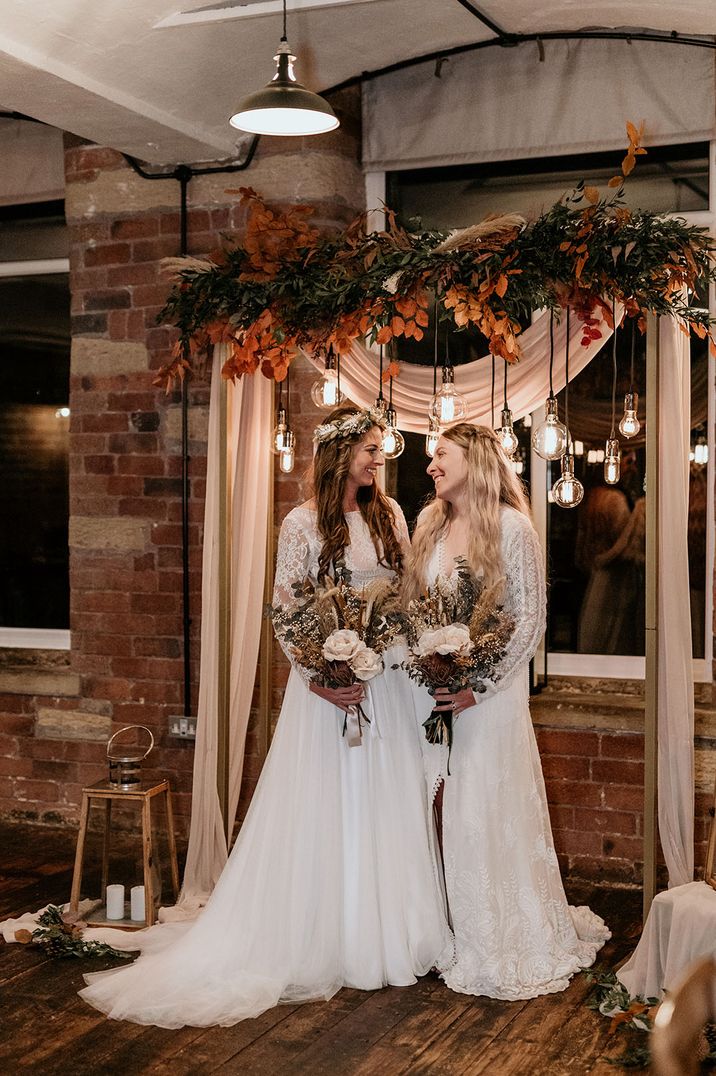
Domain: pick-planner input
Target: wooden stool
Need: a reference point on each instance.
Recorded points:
(143, 794)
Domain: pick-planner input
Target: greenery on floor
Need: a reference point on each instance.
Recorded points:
(633, 1019)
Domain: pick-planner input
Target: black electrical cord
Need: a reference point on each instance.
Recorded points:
(504, 391)
(566, 387)
(435, 353)
(380, 378)
(492, 393)
(614, 369)
(551, 352)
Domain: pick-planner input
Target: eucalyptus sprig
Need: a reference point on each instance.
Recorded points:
(60, 934)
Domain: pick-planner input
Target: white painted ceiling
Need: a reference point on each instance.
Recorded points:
(159, 78)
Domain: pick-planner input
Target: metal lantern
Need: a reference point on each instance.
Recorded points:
(125, 759)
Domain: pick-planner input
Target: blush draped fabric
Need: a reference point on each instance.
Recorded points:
(528, 379)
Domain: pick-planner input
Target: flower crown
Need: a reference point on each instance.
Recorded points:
(349, 425)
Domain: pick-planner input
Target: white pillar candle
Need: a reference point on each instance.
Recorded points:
(115, 902)
(137, 908)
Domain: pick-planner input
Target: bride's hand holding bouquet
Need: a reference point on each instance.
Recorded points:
(337, 634)
(457, 634)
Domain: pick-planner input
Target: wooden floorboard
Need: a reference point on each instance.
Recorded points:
(421, 1030)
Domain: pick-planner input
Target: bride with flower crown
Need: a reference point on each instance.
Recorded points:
(331, 881)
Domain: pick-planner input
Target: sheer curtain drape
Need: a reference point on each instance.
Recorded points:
(528, 380)
(248, 432)
(676, 681)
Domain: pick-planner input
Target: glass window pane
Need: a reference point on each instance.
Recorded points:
(33, 233)
(670, 179)
(34, 437)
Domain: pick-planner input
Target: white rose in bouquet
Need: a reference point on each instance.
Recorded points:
(342, 645)
(366, 664)
(428, 643)
(455, 640)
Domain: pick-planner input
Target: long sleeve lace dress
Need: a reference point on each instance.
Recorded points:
(331, 881)
(515, 935)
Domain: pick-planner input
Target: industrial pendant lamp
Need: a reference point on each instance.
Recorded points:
(284, 107)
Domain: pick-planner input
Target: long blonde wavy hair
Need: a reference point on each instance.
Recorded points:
(491, 482)
(327, 482)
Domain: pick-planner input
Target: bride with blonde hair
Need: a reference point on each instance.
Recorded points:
(515, 935)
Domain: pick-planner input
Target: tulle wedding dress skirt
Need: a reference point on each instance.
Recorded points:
(331, 881)
(515, 935)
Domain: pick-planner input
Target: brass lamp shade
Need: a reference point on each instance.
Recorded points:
(284, 107)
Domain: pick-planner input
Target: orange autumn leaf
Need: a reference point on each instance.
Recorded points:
(406, 307)
(397, 325)
(635, 135)
(501, 285)
(391, 370)
(591, 194)
(615, 181)
(637, 1008)
(712, 347)
(384, 335)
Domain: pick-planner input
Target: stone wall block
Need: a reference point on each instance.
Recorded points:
(72, 725)
(107, 358)
(96, 533)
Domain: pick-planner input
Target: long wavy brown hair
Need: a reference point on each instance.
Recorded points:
(491, 482)
(327, 481)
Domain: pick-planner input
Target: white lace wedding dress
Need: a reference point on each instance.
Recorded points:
(331, 881)
(515, 935)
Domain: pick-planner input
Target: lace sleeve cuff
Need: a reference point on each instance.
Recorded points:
(525, 600)
(292, 563)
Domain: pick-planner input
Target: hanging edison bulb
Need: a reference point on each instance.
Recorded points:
(507, 435)
(279, 431)
(567, 491)
(630, 424)
(518, 461)
(287, 457)
(325, 392)
(393, 440)
(549, 438)
(447, 405)
(612, 461)
(432, 437)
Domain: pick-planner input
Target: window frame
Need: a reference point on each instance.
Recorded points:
(35, 638)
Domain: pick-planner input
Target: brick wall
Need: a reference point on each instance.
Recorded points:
(591, 742)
